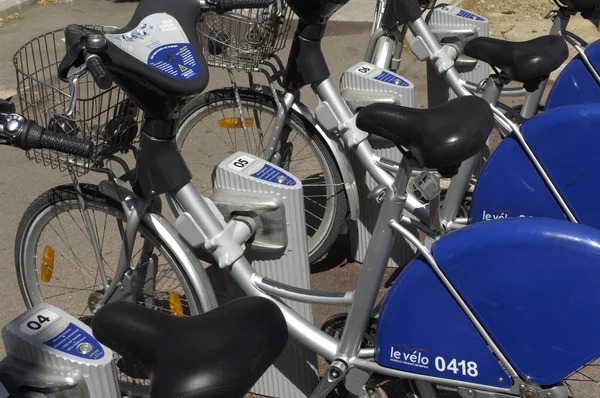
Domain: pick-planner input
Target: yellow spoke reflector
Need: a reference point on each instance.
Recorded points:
(235, 123)
(47, 264)
(175, 304)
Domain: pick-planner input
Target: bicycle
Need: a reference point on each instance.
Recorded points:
(471, 310)
(70, 237)
(331, 124)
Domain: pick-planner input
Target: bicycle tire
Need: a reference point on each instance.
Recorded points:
(203, 106)
(50, 206)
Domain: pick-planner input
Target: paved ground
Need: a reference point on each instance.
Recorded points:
(22, 180)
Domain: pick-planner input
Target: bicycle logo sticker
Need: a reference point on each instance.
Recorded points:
(419, 358)
(176, 60)
(497, 214)
(405, 355)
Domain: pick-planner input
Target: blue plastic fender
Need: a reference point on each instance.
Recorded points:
(532, 283)
(566, 142)
(575, 84)
(422, 330)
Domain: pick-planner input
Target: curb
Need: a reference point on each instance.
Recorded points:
(8, 7)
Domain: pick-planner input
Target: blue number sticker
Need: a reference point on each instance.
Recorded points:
(176, 60)
(387, 77)
(468, 15)
(271, 174)
(76, 341)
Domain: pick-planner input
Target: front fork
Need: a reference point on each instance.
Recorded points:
(130, 280)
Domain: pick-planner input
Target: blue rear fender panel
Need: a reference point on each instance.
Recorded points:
(534, 285)
(421, 329)
(575, 84)
(567, 143)
(509, 186)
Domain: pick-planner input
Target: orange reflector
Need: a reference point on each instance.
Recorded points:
(175, 304)
(235, 123)
(47, 264)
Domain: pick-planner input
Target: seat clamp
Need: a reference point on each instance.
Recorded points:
(444, 58)
(353, 136)
(228, 246)
(441, 58)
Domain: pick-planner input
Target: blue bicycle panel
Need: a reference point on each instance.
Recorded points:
(533, 283)
(566, 142)
(509, 186)
(422, 330)
(575, 84)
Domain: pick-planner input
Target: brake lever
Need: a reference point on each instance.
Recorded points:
(73, 77)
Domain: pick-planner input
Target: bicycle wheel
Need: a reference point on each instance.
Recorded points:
(584, 382)
(206, 138)
(53, 226)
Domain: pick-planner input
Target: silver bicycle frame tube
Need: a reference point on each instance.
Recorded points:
(383, 52)
(374, 266)
(420, 28)
(513, 92)
(380, 48)
(364, 151)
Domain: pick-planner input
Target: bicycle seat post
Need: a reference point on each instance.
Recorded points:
(402, 177)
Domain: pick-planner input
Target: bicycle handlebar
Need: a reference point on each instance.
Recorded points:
(222, 6)
(26, 134)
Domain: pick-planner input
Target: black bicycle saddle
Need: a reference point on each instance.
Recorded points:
(528, 61)
(581, 5)
(219, 354)
(438, 138)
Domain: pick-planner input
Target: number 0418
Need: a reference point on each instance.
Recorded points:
(463, 367)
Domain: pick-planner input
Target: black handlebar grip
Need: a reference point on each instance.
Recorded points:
(229, 5)
(35, 136)
(98, 71)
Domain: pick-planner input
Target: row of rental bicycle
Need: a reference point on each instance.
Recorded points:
(185, 272)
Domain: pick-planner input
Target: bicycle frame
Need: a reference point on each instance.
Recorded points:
(345, 353)
(491, 91)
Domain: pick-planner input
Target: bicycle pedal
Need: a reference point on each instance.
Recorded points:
(426, 186)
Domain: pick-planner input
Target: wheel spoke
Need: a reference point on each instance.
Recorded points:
(303, 153)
